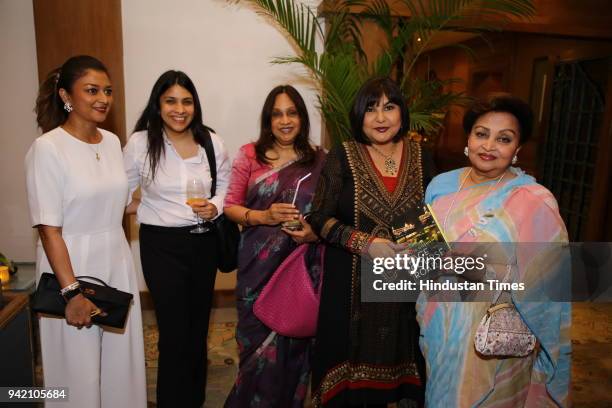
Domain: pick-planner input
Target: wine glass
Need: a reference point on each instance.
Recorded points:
(196, 193)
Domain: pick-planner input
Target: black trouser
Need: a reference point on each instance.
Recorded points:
(180, 268)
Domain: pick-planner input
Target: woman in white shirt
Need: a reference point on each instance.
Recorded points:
(77, 191)
(162, 156)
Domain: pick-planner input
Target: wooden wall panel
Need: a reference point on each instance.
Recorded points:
(65, 28)
(576, 18)
(514, 55)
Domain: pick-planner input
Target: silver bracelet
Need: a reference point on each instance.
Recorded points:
(72, 286)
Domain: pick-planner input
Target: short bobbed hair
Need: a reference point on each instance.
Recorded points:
(368, 96)
(502, 104)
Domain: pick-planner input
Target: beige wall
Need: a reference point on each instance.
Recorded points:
(19, 84)
(226, 50)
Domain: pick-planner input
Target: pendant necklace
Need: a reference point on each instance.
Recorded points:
(390, 163)
(96, 150)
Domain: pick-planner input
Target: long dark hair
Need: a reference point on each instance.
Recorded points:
(304, 150)
(369, 94)
(152, 122)
(49, 107)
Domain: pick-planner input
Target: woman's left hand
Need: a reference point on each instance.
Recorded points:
(205, 209)
(306, 234)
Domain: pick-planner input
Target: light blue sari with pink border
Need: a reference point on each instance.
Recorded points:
(519, 211)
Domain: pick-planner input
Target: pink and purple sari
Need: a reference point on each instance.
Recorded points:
(274, 369)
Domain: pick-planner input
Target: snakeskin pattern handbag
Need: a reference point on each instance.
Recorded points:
(502, 331)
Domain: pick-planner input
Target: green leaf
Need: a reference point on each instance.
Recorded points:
(339, 71)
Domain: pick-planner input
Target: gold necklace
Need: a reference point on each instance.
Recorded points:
(96, 149)
(459, 189)
(390, 163)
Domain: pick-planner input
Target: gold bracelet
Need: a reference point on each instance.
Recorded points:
(246, 218)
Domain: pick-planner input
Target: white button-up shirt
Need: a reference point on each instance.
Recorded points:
(164, 199)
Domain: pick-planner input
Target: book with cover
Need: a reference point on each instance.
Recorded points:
(424, 230)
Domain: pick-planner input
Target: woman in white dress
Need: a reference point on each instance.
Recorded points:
(77, 191)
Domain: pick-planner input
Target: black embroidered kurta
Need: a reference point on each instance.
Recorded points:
(365, 353)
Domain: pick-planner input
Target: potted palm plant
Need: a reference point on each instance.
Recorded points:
(339, 70)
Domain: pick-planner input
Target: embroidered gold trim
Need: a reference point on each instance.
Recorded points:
(359, 372)
(406, 165)
(358, 241)
(355, 266)
(372, 198)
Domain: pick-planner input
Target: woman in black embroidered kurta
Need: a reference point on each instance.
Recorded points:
(367, 354)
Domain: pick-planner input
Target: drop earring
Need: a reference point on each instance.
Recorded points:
(465, 151)
(514, 159)
(67, 107)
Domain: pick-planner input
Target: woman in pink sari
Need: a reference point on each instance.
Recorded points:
(274, 369)
(492, 202)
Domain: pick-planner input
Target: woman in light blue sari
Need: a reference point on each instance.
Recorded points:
(492, 202)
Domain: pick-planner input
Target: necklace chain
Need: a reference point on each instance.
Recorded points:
(390, 163)
(450, 208)
(95, 149)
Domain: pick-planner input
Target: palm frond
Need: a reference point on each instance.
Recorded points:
(343, 29)
(379, 12)
(297, 20)
(475, 15)
(341, 69)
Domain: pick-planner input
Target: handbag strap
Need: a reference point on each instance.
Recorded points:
(495, 308)
(100, 281)
(498, 293)
(212, 163)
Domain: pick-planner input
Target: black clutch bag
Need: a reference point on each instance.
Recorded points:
(113, 303)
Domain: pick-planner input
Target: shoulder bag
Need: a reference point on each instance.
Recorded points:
(226, 231)
(289, 303)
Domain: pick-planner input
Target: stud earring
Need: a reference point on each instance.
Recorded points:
(514, 159)
(465, 151)
(68, 107)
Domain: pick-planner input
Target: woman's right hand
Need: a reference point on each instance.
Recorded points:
(79, 310)
(281, 212)
(381, 248)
